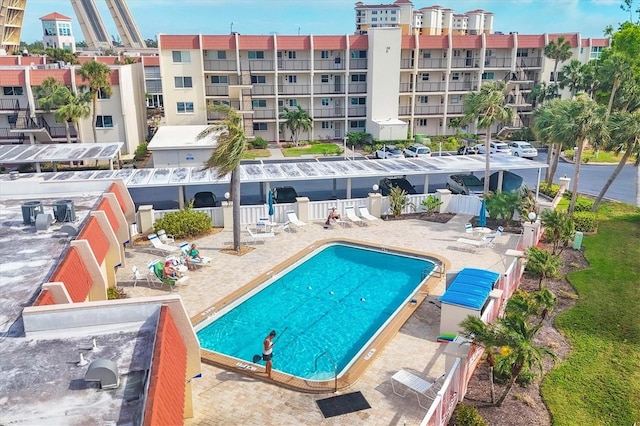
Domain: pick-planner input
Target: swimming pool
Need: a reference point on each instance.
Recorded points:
(326, 308)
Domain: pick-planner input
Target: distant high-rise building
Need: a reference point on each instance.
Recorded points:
(93, 28)
(11, 17)
(57, 33)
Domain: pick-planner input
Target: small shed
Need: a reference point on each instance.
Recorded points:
(467, 295)
(179, 146)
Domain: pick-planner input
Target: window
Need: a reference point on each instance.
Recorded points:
(183, 82)
(258, 79)
(219, 79)
(393, 12)
(220, 54)
(325, 101)
(456, 53)
(13, 91)
(104, 121)
(374, 12)
(357, 124)
(185, 107)
(425, 76)
(455, 76)
(358, 77)
(455, 99)
(324, 54)
(324, 78)
(293, 102)
(259, 126)
(358, 101)
(256, 54)
(423, 99)
(522, 53)
(326, 125)
(374, 19)
(358, 54)
(488, 76)
(181, 56)
(259, 103)
(64, 29)
(426, 54)
(489, 52)
(421, 122)
(293, 78)
(393, 18)
(596, 51)
(103, 95)
(292, 54)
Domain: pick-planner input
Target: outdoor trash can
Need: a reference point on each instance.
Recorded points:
(577, 241)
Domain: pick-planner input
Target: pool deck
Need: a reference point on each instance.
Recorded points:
(228, 397)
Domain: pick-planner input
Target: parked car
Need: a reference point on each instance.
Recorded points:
(511, 182)
(465, 184)
(495, 147)
(396, 182)
(523, 149)
(417, 150)
(204, 199)
(468, 150)
(389, 151)
(284, 194)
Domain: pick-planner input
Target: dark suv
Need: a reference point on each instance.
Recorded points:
(396, 182)
(284, 194)
(204, 199)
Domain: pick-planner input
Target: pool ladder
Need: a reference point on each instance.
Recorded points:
(438, 271)
(335, 368)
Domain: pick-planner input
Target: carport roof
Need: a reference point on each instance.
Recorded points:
(313, 169)
(43, 153)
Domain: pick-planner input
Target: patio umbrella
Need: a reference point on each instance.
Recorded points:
(482, 219)
(270, 201)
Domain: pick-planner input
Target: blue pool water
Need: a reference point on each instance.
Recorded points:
(333, 303)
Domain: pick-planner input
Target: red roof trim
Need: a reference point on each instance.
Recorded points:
(73, 273)
(94, 235)
(45, 298)
(55, 15)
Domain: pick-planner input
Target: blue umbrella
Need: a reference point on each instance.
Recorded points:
(482, 220)
(270, 201)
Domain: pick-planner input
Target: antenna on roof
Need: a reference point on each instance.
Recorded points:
(82, 361)
(95, 345)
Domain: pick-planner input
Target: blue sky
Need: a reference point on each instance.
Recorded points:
(287, 17)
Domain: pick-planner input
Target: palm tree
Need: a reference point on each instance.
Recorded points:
(572, 77)
(74, 110)
(625, 137)
(615, 69)
(53, 95)
(559, 227)
(482, 335)
(296, 120)
(97, 74)
(542, 92)
(543, 119)
(226, 156)
(559, 50)
(487, 106)
(543, 264)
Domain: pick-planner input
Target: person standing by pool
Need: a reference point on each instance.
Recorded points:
(267, 351)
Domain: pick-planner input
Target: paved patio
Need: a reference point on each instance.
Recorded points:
(230, 398)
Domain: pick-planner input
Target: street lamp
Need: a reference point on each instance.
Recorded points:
(532, 216)
(227, 196)
(375, 188)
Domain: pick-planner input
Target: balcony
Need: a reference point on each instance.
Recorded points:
(407, 64)
(329, 112)
(462, 86)
(357, 111)
(358, 64)
(260, 65)
(358, 88)
(492, 62)
(262, 89)
(329, 64)
(294, 65)
(152, 75)
(404, 110)
(219, 65)
(264, 114)
(455, 109)
(6, 134)
(426, 86)
(465, 63)
(428, 110)
(529, 62)
(217, 90)
(293, 89)
(328, 89)
(432, 63)
(9, 104)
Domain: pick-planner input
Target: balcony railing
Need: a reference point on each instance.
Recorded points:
(407, 64)
(293, 89)
(330, 112)
(9, 104)
(328, 88)
(426, 86)
(264, 114)
(358, 64)
(294, 64)
(260, 65)
(462, 86)
(61, 132)
(152, 75)
(455, 109)
(328, 64)
(358, 88)
(404, 110)
(357, 111)
(428, 109)
(530, 62)
(465, 63)
(5, 134)
(492, 62)
(432, 63)
(217, 90)
(262, 89)
(220, 65)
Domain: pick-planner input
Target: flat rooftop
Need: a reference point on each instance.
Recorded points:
(180, 137)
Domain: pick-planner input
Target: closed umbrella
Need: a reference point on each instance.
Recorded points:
(270, 201)
(482, 220)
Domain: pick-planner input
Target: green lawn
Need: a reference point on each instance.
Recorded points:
(599, 383)
(315, 149)
(251, 154)
(589, 156)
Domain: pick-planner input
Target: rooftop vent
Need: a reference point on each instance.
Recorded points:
(30, 211)
(43, 221)
(64, 211)
(104, 371)
(70, 229)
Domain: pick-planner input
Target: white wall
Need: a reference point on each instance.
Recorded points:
(383, 73)
(181, 157)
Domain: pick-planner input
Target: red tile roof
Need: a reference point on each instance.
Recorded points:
(151, 60)
(599, 42)
(358, 42)
(11, 60)
(294, 42)
(61, 76)
(165, 400)
(12, 77)
(55, 15)
(255, 42)
(219, 42)
(179, 41)
(498, 41)
(329, 42)
(433, 42)
(467, 42)
(113, 189)
(73, 273)
(528, 41)
(111, 217)
(45, 298)
(571, 38)
(93, 233)
(408, 42)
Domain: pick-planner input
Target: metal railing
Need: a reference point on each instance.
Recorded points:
(219, 65)
(294, 65)
(328, 88)
(294, 89)
(328, 64)
(9, 104)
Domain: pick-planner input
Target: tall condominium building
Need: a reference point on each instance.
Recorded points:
(433, 20)
(385, 83)
(11, 17)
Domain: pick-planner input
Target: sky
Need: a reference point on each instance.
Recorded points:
(291, 17)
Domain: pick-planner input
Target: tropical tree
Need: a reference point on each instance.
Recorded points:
(559, 227)
(97, 75)
(73, 111)
(544, 117)
(543, 264)
(63, 55)
(559, 50)
(68, 107)
(296, 120)
(615, 68)
(625, 138)
(226, 156)
(51, 94)
(572, 77)
(456, 124)
(488, 107)
(483, 335)
(542, 92)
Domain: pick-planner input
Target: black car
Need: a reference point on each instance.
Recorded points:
(511, 182)
(468, 147)
(387, 183)
(284, 194)
(204, 199)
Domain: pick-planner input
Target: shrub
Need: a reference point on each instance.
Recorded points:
(288, 145)
(551, 191)
(259, 143)
(116, 293)
(141, 151)
(431, 203)
(466, 415)
(398, 200)
(184, 223)
(583, 204)
(503, 205)
(585, 221)
(502, 373)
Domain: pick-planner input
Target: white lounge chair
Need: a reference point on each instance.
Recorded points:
(154, 274)
(293, 219)
(483, 243)
(350, 213)
(202, 261)
(417, 385)
(468, 228)
(364, 214)
(262, 236)
(161, 247)
(138, 275)
(166, 238)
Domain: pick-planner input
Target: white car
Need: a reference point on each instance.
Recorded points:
(389, 151)
(495, 147)
(417, 150)
(523, 149)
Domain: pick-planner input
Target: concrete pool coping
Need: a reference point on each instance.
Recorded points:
(366, 357)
